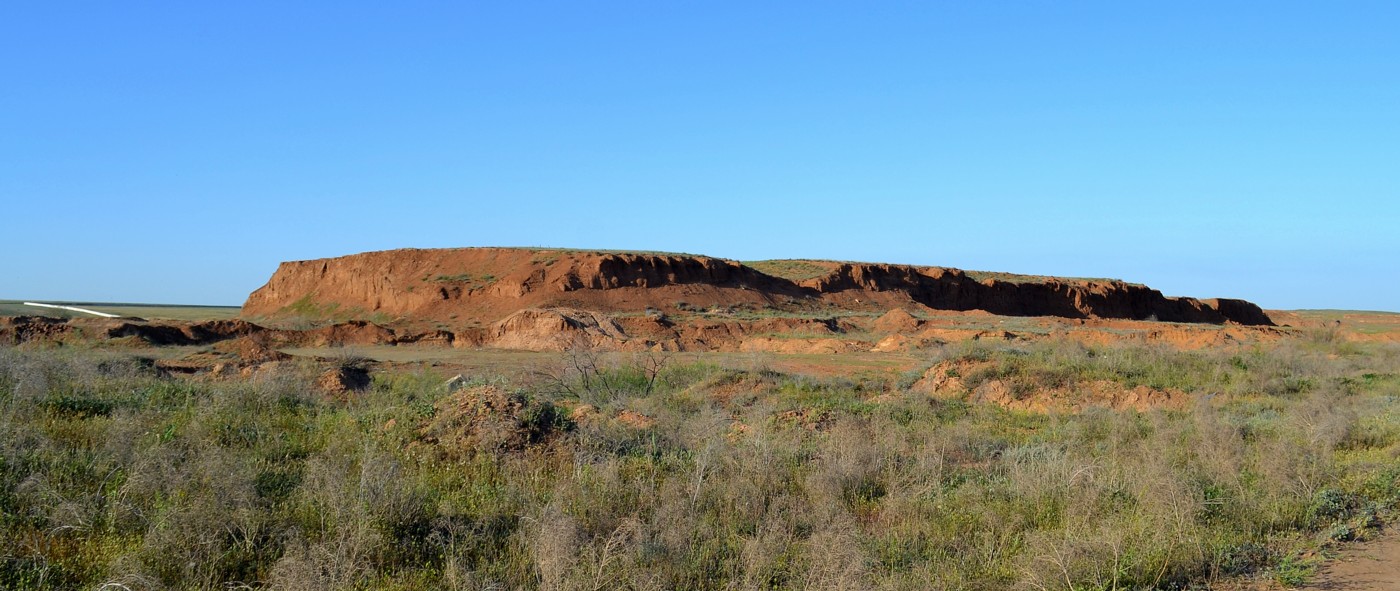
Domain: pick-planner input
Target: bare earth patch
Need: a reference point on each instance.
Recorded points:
(1372, 566)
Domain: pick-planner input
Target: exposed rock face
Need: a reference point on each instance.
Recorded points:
(18, 329)
(555, 330)
(488, 284)
(484, 286)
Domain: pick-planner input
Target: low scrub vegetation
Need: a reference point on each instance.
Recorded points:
(793, 270)
(642, 474)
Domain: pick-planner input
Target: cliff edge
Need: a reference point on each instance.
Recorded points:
(468, 287)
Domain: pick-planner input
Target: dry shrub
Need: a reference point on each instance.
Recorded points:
(1117, 515)
(336, 562)
(848, 473)
(892, 492)
(1216, 447)
(672, 528)
(834, 559)
(605, 563)
(1297, 458)
(491, 419)
(554, 547)
(1072, 559)
(346, 494)
(207, 539)
(766, 558)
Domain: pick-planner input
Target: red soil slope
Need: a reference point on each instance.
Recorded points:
(479, 286)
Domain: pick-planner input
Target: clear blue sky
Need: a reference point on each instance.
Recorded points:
(176, 152)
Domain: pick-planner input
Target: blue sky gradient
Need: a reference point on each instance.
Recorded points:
(175, 153)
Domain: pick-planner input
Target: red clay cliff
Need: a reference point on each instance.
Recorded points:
(481, 286)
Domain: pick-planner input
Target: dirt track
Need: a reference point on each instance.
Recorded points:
(1373, 566)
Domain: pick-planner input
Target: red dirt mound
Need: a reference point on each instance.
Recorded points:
(488, 417)
(341, 382)
(250, 350)
(897, 321)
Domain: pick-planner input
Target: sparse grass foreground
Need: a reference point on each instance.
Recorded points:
(645, 474)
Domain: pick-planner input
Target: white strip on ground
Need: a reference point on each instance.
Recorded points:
(75, 309)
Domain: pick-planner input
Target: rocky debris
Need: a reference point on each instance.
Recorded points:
(943, 379)
(435, 337)
(1099, 393)
(894, 342)
(249, 340)
(241, 343)
(172, 333)
(262, 370)
(810, 419)
(355, 332)
(183, 366)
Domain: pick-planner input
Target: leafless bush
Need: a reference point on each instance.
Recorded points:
(1219, 447)
(834, 558)
(604, 563)
(30, 375)
(336, 553)
(1072, 559)
(184, 543)
(850, 468)
(554, 547)
(765, 556)
(598, 377)
(1298, 457)
(330, 564)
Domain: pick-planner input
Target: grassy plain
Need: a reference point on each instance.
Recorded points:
(147, 311)
(1363, 322)
(579, 470)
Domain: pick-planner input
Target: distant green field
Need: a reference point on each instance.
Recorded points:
(147, 311)
(1361, 321)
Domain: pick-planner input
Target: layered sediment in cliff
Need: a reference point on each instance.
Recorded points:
(483, 286)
